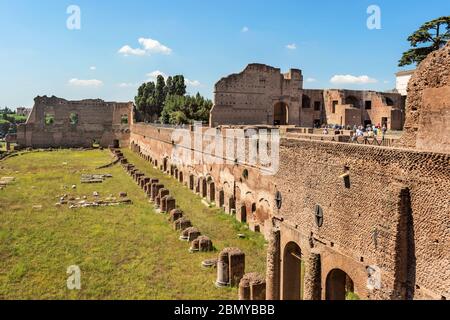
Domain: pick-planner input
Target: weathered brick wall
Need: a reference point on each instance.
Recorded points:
(310, 175)
(428, 105)
(393, 213)
(97, 121)
(250, 96)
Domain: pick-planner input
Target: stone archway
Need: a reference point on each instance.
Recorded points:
(280, 114)
(203, 187)
(212, 192)
(180, 177)
(339, 286)
(243, 214)
(293, 271)
(221, 199)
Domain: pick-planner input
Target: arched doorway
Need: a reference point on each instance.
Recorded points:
(180, 177)
(203, 188)
(293, 272)
(280, 114)
(221, 199)
(212, 192)
(243, 215)
(339, 286)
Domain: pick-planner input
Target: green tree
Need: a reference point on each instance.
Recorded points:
(433, 35)
(179, 87)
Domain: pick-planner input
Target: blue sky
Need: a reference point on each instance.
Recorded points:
(202, 39)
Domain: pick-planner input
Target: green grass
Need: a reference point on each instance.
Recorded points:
(126, 252)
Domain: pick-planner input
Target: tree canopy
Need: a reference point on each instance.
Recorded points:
(167, 101)
(433, 35)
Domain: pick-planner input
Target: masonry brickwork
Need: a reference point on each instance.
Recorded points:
(261, 94)
(56, 122)
(428, 112)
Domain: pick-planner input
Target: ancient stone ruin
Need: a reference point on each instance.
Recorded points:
(252, 287)
(230, 267)
(355, 219)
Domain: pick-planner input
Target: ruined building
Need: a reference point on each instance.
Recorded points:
(355, 219)
(56, 122)
(262, 95)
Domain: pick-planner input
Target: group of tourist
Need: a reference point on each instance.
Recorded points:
(370, 131)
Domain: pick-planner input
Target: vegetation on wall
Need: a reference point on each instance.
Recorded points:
(168, 102)
(432, 35)
(9, 121)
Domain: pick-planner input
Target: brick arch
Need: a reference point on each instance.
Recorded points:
(262, 210)
(338, 283)
(281, 113)
(293, 283)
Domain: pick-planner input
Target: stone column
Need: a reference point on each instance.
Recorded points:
(312, 289)
(273, 266)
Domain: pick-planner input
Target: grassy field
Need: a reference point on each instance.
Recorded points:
(125, 252)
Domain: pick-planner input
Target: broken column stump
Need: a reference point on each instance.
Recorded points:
(175, 214)
(201, 244)
(170, 204)
(252, 287)
(182, 224)
(159, 199)
(155, 190)
(230, 267)
(190, 234)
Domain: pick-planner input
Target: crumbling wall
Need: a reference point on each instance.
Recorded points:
(366, 221)
(427, 123)
(250, 96)
(51, 123)
(383, 208)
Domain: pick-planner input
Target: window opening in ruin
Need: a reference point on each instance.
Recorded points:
(333, 108)
(384, 121)
(73, 118)
(49, 119)
(124, 119)
(353, 101)
(317, 105)
(245, 174)
(389, 102)
(306, 102)
(368, 104)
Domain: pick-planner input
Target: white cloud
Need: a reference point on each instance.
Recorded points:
(291, 46)
(386, 81)
(148, 46)
(192, 83)
(93, 68)
(154, 74)
(349, 79)
(85, 83)
(245, 29)
(129, 51)
(311, 80)
(127, 85)
(154, 46)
